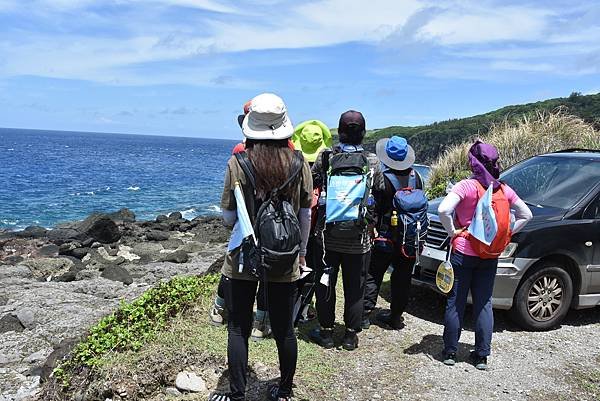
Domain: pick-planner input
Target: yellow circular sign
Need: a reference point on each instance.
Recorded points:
(444, 278)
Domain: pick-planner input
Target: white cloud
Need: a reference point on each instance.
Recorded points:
(487, 25)
(113, 47)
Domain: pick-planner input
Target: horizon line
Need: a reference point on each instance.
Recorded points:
(112, 133)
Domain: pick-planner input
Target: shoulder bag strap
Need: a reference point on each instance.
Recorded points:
(296, 167)
(393, 180)
(246, 165)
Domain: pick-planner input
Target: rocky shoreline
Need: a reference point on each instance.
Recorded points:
(54, 284)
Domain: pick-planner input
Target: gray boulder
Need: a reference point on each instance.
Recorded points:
(10, 323)
(175, 216)
(13, 259)
(42, 268)
(123, 216)
(161, 218)
(32, 232)
(117, 273)
(48, 250)
(62, 236)
(101, 228)
(155, 235)
(176, 257)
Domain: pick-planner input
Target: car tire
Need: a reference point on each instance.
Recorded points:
(543, 298)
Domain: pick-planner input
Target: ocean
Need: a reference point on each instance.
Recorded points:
(50, 177)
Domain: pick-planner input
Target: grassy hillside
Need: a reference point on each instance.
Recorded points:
(516, 140)
(430, 141)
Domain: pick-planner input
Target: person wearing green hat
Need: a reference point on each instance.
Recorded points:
(311, 137)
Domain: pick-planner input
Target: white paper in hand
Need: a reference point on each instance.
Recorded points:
(325, 279)
(304, 271)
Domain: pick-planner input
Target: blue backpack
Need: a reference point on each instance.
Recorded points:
(410, 205)
(348, 189)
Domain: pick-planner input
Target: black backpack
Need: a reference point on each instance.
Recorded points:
(349, 182)
(276, 226)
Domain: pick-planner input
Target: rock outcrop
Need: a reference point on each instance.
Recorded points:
(55, 284)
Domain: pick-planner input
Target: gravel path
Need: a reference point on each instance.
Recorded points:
(404, 365)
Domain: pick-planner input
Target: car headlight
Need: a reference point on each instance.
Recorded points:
(509, 250)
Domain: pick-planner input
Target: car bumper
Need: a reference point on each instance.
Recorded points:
(509, 274)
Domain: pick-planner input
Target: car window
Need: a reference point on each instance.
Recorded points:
(593, 210)
(558, 182)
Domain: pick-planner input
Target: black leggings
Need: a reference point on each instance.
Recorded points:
(400, 280)
(260, 295)
(354, 270)
(239, 298)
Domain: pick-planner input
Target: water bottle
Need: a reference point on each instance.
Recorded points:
(323, 198)
(394, 219)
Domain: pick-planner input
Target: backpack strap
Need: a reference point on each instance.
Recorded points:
(393, 180)
(325, 166)
(296, 167)
(246, 165)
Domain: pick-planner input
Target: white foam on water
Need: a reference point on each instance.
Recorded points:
(133, 188)
(107, 189)
(90, 193)
(10, 149)
(214, 208)
(189, 214)
(9, 222)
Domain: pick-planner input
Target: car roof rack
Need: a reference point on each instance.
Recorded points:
(574, 150)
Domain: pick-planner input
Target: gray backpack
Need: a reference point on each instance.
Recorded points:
(276, 226)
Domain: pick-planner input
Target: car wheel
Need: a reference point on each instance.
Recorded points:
(543, 298)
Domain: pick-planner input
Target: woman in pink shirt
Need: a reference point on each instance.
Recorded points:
(471, 272)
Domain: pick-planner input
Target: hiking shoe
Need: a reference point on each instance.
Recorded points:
(323, 337)
(396, 323)
(273, 394)
(261, 329)
(366, 323)
(220, 397)
(217, 315)
(350, 341)
(307, 316)
(480, 362)
(450, 359)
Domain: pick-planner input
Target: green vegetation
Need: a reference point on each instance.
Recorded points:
(141, 347)
(516, 141)
(430, 141)
(133, 324)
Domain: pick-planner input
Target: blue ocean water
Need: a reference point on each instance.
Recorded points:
(49, 177)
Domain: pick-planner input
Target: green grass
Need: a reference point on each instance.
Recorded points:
(145, 343)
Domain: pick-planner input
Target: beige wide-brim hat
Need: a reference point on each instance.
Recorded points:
(267, 119)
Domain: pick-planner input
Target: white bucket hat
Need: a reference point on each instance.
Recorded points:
(267, 119)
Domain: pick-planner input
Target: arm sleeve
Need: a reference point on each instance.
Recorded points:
(522, 215)
(227, 198)
(229, 217)
(446, 211)
(304, 219)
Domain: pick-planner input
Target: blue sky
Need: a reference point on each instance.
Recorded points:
(185, 67)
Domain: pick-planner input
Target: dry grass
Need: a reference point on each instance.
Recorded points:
(546, 132)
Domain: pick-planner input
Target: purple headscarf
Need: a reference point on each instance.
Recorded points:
(483, 159)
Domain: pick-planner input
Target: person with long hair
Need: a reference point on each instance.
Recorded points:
(267, 129)
(474, 266)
